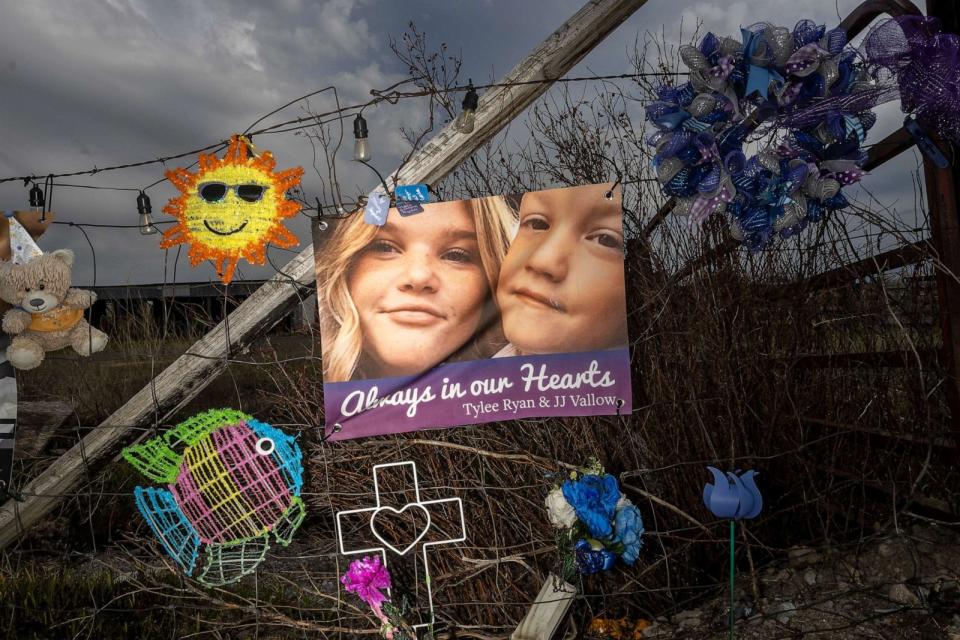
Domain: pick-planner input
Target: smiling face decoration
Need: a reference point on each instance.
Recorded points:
(231, 208)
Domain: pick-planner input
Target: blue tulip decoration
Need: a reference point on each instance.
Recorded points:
(734, 496)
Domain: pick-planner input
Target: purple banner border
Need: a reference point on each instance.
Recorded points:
(480, 391)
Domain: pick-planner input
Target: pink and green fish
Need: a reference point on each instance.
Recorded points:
(233, 484)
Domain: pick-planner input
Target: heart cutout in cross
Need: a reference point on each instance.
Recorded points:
(411, 521)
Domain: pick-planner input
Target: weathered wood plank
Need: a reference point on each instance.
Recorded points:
(889, 148)
(861, 17)
(547, 612)
(37, 422)
(943, 201)
(901, 256)
(188, 375)
(708, 257)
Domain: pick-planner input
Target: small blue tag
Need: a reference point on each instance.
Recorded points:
(378, 205)
(415, 192)
(408, 207)
(927, 146)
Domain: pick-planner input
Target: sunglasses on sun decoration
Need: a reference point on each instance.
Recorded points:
(217, 191)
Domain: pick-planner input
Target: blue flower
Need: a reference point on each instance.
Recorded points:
(594, 498)
(628, 529)
(590, 560)
(734, 495)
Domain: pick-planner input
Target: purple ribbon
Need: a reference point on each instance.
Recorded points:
(723, 69)
(704, 206)
(846, 172)
(926, 64)
(707, 146)
(806, 60)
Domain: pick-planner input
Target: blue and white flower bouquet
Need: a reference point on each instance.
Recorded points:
(596, 524)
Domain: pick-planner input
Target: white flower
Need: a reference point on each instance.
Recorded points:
(561, 514)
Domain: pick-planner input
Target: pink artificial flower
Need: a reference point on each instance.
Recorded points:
(368, 578)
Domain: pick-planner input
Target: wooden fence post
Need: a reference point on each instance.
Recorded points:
(548, 610)
(942, 199)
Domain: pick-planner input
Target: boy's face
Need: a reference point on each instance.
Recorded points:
(561, 284)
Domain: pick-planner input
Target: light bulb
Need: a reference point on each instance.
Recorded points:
(146, 225)
(464, 122)
(361, 150)
(361, 147)
(36, 198)
(146, 220)
(467, 118)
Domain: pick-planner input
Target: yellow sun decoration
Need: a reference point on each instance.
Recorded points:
(232, 207)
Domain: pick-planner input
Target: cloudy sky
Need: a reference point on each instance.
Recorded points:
(101, 82)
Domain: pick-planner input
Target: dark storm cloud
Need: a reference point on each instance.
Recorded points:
(90, 83)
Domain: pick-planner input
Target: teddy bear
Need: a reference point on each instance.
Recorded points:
(47, 314)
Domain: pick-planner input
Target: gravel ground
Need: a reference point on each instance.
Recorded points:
(904, 585)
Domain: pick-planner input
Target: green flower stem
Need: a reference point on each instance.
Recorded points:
(733, 524)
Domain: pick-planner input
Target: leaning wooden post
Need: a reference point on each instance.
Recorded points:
(190, 373)
(547, 612)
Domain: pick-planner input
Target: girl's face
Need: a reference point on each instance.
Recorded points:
(419, 288)
(561, 284)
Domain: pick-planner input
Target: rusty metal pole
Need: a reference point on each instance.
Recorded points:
(942, 200)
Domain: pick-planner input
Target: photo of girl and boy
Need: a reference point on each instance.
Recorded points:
(472, 279)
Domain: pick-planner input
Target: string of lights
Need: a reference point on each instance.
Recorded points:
(40, 200)
(390, 94)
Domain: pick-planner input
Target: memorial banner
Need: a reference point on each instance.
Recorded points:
(472, 311)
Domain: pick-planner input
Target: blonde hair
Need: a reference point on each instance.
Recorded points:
(341, 337)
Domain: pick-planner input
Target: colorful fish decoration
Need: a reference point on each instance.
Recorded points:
(233, 483)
